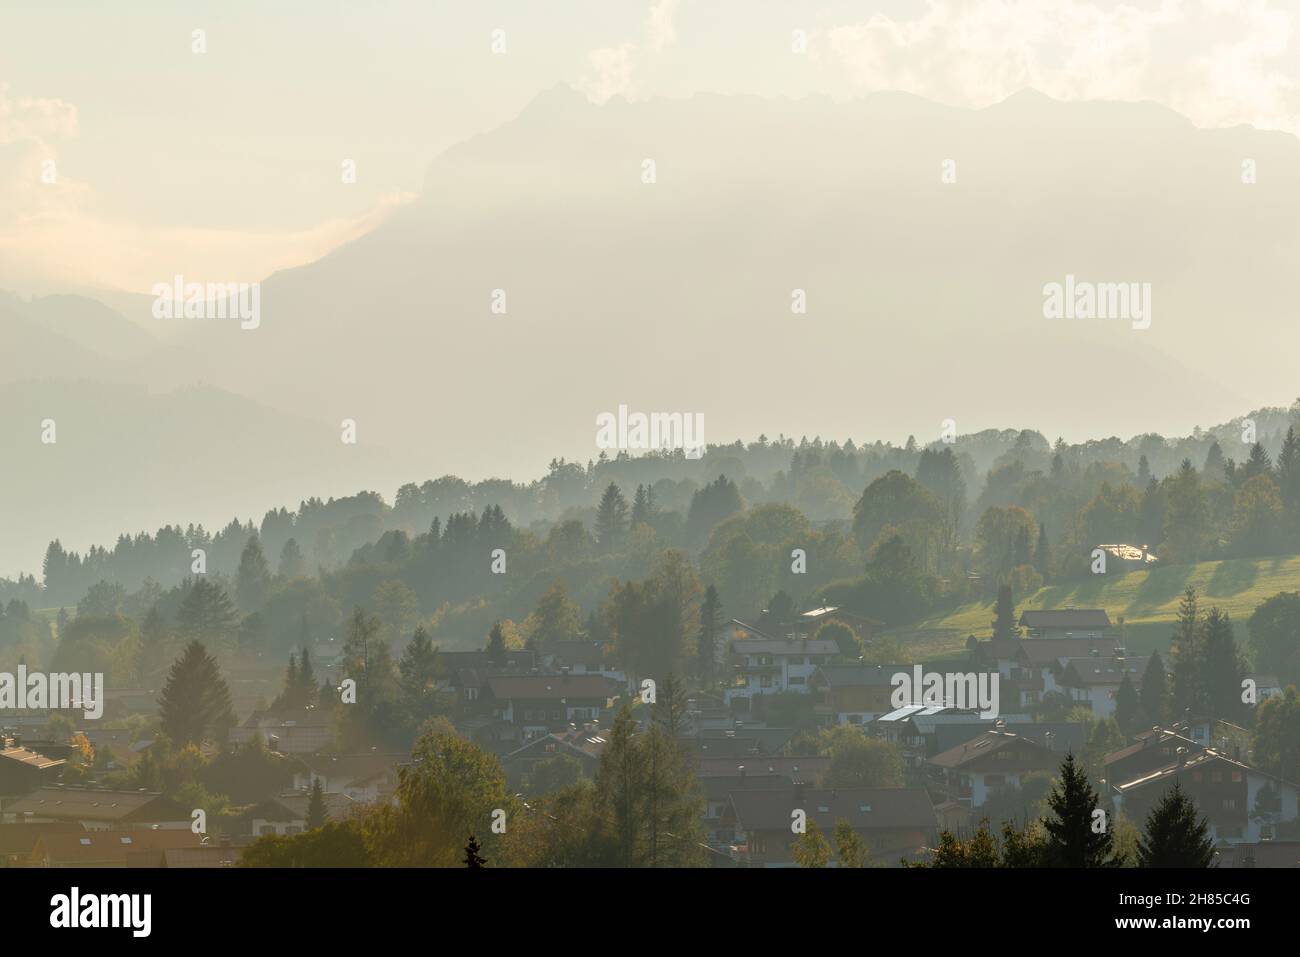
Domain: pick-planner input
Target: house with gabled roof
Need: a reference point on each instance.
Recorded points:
(972, 772)
(853, 693)
(1065, 622)
(96, 808)
(763, 666)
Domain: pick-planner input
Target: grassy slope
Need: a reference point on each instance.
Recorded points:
(1148, 602)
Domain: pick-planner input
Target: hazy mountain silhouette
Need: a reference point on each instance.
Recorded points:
(924, 298)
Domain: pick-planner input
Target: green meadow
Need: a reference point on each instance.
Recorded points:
(1147, 601)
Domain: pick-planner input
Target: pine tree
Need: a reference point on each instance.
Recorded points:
(1075, 837)
(206, 614)
(1174, 835)
(611, 518)
(643, 506)
(316, 813)
(710, 624)
(1185, 650)
(306, 691)
(1004, 621)
(194, 705)
(253, 580)
(473, 860)
(496, 646)
(1128, 706)
(1155, 690)
(1221, 667)
(289, 694)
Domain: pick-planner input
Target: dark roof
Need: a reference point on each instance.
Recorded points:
(578, 652)
(864, 808)
(717, 788)
(985, 744)
(516, 660)
(97, 804)
(551, 687)
(32, 759)
(1065, 618)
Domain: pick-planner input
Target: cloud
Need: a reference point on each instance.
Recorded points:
(53, 229)
(1216, 62)
(615, 71)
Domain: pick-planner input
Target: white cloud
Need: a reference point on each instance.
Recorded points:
(615, 71)
(1218, 63)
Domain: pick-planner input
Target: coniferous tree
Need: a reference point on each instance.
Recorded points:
(1186, 653)
(1155, 690)
(194, 705)
(710, 624)
(1004, 621)
(1176, 836)
(611, 518)
(316, 812)
(254, 577)
(1128, 706)
(206, 613)
(496, 646)
(306, 691)
(1076, 835)
(643, 506)
(1221, 667)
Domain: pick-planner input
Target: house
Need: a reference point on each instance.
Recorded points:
(810, 621)
(765, 666)
(466, 672)
(113, 747)
(1094, 682)
(18, 841)
(1266, 685)
(97, 808)
(1241, 803)
(581, 657)
(22, 770)
(219, 854)
(286, 814)
(853, 694)
(530, 706)
(759, 739)
(585, 746)
(365, 777)
(1031, 669)
(289, 731)
(920, 732)
(107, 848)
(973, 772)
(1065, 622)
(717, 796)
(1260, 854)
(1120, 557)
(1151, 751)
(892, 822)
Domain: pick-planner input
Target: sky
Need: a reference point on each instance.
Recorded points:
(227, 163)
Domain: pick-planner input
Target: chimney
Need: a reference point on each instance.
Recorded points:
(798, 791)
(741, 769)
(1182, 756)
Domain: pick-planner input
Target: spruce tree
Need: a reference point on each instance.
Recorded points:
(1185, 650)
(316, 813)
(194, 705)
(1004, 621)
(1175, 837)
(710, 624)
(1128, 706)
(1155, 690)
(1076, 836)
(1043, 555)
(611, 518)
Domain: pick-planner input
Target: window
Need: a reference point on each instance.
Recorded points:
(1236, 777)
(1216, 777)
(1229, 804)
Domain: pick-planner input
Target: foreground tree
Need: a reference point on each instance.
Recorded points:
(1077, 836)
(1175, 835)
(812, 849)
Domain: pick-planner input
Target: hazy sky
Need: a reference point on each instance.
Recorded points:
(226, 165)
